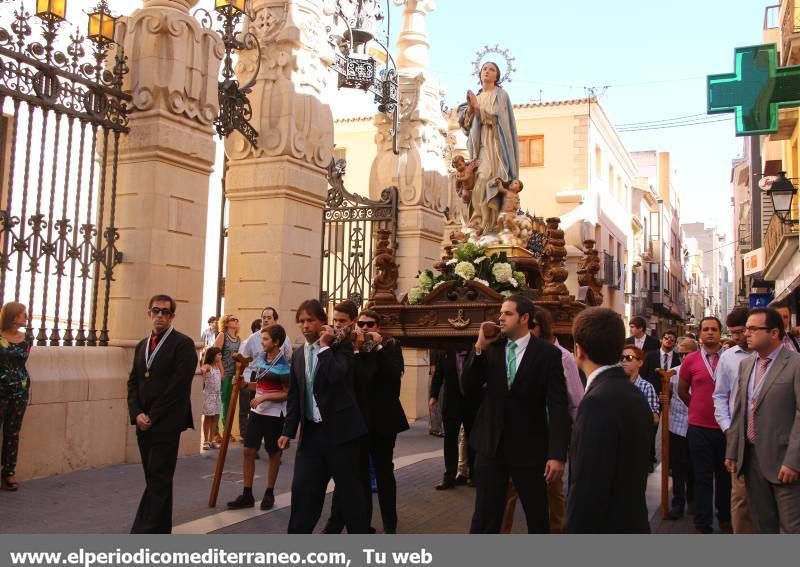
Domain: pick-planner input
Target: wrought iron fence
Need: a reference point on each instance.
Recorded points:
(611, 271)
(349, 235)
(63, 112)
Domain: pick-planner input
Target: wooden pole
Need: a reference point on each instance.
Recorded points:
(665, 401)
(226, 437)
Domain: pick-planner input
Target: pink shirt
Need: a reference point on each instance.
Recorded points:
(573, 378)
(695, 373)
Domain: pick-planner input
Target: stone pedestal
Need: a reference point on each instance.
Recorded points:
(419, 173)
(277, 191)
(164, 165)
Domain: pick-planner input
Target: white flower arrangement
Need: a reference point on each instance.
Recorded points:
(425, 280)
(415, 295)
(503, 272)
(465, 270)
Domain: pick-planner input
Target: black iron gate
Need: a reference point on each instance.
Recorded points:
(349, 236)
(63, 112)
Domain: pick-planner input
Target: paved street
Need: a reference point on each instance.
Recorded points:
(105, 500)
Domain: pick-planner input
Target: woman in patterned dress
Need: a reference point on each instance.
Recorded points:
(14, 386)
(228, 341)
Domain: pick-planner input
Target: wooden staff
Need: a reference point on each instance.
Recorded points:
(226, 437)
(665, 401)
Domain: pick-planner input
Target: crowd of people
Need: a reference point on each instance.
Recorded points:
(570, 435)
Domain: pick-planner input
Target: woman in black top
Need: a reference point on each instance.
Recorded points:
(14, 386)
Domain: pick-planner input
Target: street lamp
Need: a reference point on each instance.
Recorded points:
(101, 24)
(51, 10)
(782, 192)
(357, 69)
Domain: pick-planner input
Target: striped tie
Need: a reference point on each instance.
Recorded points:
(751, 417)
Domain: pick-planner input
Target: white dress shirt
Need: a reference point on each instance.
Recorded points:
(522, 344)
(661, 355)
(726, 384)
(590, 378)
(639, 342)
(316, 416)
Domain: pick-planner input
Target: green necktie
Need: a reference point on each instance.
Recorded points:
(511, 361)
(309, 382)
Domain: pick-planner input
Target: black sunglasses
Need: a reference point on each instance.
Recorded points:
(368, 324)
(630, 357)
(161, 311)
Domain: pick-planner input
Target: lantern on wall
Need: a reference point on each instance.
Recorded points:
(101, 24)
(51, 10)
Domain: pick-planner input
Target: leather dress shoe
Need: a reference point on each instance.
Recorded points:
(446, 484)
(241, 501)
(268, 501)
(461, 480)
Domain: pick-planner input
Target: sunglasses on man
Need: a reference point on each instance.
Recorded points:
(165, 311)
(367, 324)
(629, 358)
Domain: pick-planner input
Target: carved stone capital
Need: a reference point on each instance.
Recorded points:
(173, 60)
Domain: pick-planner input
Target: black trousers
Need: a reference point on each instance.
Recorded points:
(317, 461)
(491, 482)
(712, 482)
(379, 447)
(681, 466)
(159, 452)
(452, 426)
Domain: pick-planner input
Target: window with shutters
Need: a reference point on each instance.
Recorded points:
(531, 151)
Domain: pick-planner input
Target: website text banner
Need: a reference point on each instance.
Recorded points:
(390, 551)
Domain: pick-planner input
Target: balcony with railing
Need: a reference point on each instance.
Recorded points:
(790, 33)
(780, 243)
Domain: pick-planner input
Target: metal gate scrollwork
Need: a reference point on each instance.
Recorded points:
(350, 225)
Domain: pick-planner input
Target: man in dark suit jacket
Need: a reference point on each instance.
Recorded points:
(457, 410)
(159, 404)
(610, 449)
(322, 400)
(522, 428)
(665, 357)
(378, 369)
(640, 338)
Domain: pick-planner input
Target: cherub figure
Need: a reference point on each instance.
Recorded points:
(510, 191)
(465, 177)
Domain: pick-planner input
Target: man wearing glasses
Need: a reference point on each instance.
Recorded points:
(764, 438)
(159, 392)
(725, 388)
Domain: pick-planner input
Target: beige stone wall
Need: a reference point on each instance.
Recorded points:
(77, 418)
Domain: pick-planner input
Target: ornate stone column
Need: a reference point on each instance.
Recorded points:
(277, 190)
(420, 174)
(164, 165)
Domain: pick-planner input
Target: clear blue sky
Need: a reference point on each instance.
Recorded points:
(654, 55)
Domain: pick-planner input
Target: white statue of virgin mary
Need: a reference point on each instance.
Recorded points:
(488, 121)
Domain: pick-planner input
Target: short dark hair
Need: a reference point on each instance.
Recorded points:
(600, 332)
(773, 319)
(669, 332)
(312, 307)
(524, 307)
(255, 325)
(544, 320)
(274, 312)
(162, 297)
(639, 322)
(211, 354)
(212, 319)
(348, 307)
(276, 332)
(737, 317)
(372, 315)
(711, 318)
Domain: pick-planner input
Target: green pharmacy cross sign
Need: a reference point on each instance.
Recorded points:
(755, 90)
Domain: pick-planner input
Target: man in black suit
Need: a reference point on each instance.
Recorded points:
(640, 338)
(665, 357)
(457, 410)
(159, 404)
(322, 400)
(610, 449)
(522, 428)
